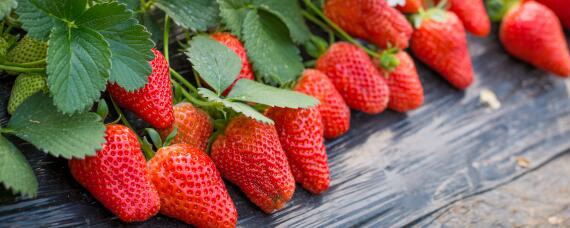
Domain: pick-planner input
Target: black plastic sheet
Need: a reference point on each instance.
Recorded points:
(390, 169)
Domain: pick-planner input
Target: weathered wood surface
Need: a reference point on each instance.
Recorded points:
(389, 170)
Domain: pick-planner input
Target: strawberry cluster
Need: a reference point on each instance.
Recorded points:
(205, 142)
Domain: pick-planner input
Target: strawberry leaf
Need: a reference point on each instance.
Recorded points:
(274, 56)
(236, 106)
(233, 14)
(15, 172)
(290, 13)
(78, 67)
(218, 65)
(88, 47)
(129, 42)
(38, 121)
(251, 91)
(6, 7)
(196, 15)
(35, 19)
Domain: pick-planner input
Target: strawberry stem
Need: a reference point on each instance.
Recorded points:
(192, 99)
(166, 36)
(28, 64)
(185, 82)
(22, 69)
(343, 34)
(121, 115)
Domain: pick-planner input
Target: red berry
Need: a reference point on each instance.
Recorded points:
(249, 155)
(473, 15)
(406, 91)
(191, 188)
(372, 20)
(333, 109)
(411, 6)
(235, 45)
(355, 77)
(118, 176)
(152, 103)
(532, 33)
(442, 45)
(301, 136)
(194, 126)
(561, 8)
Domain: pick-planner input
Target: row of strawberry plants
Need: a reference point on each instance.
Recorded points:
(252, 107)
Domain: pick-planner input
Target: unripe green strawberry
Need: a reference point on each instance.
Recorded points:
(25, 86)
(4, 45)
(27, 50)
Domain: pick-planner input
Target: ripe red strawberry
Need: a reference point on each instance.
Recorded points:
(531, 32)
(190, 187)
(194, 126)
(406, 91)
(561, 8)
(301, 136)
(355, 77)
(235, 44)
(473, 15)
(118, 176)
(152, 103)
(411, 6)
(333, 109)
(372, 20)
(250, 155)
(442, 45)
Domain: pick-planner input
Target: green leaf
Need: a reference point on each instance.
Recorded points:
(38, 121)
(274, 56)
(290, 13)
(35, 19)
(129, 42)
(233, 13)
(236, 106)
(251, 91)
(218, 65)
(79, 60)
(196, 15)
(15, 171)
(6, 7)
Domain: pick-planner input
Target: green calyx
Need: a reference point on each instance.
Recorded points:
(316, 46)
(388, 59)
(498, 8)
(437, 13)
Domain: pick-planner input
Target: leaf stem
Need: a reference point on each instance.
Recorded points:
(121, 115)
(192, 99)
(21, 69)
(185, 82)
(6, 131)
(28, 64)
(166, 36)
(343, 34)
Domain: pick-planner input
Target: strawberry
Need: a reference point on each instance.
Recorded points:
(4, 45)
(440, 42)
(333, 109)
(561, 8)
(372, 20)
(152, 103)
(190, 187)
(473, 15)
(235, 45)
(194, 126)
(250, 155)
(355, 77)
(411, 6)
(406, 91)
(301, 135)
(25, 86)
(27, 50)
(531, 32)
(118, 176)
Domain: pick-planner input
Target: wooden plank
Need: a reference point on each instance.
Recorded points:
(389, 170)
